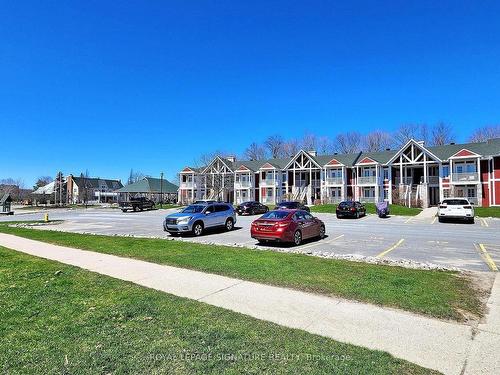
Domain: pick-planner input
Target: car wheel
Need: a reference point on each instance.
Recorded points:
(267, 209)
(262, 241)
(229, 224)
(322, 232)
(297, 238)
(252, 211)
(440, 219)
(339, 217)
(198, 229)
(471, 221)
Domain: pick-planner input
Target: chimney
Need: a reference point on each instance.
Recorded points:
(312, 152)
(452, 143)
(387, 149)
(335, 153)
(232, 159)
(421, 143)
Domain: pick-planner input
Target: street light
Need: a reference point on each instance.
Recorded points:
(161, 189)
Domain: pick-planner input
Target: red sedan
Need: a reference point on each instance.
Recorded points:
(287, 226)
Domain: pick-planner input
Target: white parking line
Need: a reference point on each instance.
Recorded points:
(336, 238)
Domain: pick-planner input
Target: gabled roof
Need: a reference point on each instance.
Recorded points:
(150, 185)
(228, 163)
(419, 145)
(302, 152)
(488, 148)
(381, 157)
(345, 159)
(96, 183)
(6, 198)
(47, 189)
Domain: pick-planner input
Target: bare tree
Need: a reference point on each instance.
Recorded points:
(442, 134)
(274, 145)
(348, 143)
(325, 146)
(135, 176)
(484, 133)
(255, 152)
(206, 158)
(309, 142)
(290, 148)
(377, 141)
(405, 132)
(42, 181)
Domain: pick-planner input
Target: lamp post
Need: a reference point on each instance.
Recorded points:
(161, 189)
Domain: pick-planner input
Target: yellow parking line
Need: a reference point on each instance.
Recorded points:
(434, 220)
(383, 253)
(487, 258)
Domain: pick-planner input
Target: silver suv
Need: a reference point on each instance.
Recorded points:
(195, 218)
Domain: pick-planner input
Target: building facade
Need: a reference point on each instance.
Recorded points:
(89, 189)
(414, 175)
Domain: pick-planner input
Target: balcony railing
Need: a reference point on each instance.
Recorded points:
(404, 180)
(433, 180)
(243, 184)
(188, 185)
(465, 177)
(334, 180)
(367, 180)
(269, 182)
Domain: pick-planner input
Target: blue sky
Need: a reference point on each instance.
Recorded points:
(109, 86)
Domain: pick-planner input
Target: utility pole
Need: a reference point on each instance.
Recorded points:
(161, 189)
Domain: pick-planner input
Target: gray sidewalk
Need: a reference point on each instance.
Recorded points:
(444, 346)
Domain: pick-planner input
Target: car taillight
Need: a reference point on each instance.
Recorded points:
(353, 209)
(467, 207)
(283, 225)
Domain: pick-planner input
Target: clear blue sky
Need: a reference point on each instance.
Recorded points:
(109, 86)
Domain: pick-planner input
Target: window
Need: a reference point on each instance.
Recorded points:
(446, 170)
(386, 173)
(221, 208)
(386, 194)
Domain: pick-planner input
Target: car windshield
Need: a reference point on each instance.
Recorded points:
(249, 203)
(288, 204)
(193, 209)
(346, 204)
(275, 215)
(455, 202)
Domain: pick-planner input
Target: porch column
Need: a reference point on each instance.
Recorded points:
(441, 193)
(389, 192)
(377, 187)
(310, 185)
(479, 185)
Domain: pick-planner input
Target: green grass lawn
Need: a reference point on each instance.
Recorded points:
(62, 319)
(370, 209)
(435, 293)
(487, 211)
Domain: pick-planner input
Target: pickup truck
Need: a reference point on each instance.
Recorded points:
(137, 204)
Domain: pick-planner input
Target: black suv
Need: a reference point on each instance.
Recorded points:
(350, 209)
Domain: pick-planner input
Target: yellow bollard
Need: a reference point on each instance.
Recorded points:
(46, 217)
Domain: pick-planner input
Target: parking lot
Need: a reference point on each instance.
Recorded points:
(473, 247)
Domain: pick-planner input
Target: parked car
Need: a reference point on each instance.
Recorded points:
(292, 206)
(196, 218)
(287, 226)
(456, 208)
(251, 208)
(350, 209)
(137, 204)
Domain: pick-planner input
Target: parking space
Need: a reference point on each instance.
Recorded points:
(468, 246)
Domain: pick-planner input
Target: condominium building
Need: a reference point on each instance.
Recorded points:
(414, 175)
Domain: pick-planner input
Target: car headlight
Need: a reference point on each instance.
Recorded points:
(184, 220)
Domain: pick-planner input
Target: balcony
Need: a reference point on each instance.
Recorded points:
(269, 182)
(465, 177)
(188, 185)
(334, 181)
(243, 185)
(433, 180)
(367, 180)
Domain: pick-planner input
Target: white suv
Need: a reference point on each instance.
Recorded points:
(456, 208)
